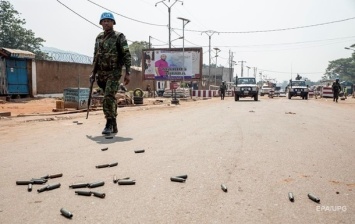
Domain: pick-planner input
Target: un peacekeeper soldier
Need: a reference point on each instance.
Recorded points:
(336, 90)
(222, 89)
(110, 55)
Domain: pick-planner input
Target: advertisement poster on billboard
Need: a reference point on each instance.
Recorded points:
(172, 64)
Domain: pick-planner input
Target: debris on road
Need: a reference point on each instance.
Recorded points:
(38, 181)
(177, 179)
(23, 182)
(84, 193)
(224, 187)
(48, 187)
(109, 137)
(182, 176)
(291, 197)
(52, 176)
(96, 184)
(313, 198)
(99, 195)
(29, 188)
(139, 151)
(126, 182)
(79, 185)
(66, 213)
(103, 166)
(104, 149)
(289, 113)
(107, 165)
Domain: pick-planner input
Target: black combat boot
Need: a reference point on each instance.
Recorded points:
(108, 127)
(114, 125)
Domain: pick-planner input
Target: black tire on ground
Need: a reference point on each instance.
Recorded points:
(289, 96)
(138, 100)
(306, 97)
(173, 101)
(236, 98)
(256, 97)
(138, 92)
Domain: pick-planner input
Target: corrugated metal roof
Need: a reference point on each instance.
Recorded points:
(16, 53)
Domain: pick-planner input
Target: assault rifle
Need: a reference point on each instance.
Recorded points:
(92, 80)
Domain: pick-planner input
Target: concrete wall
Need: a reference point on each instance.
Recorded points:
(53, 77)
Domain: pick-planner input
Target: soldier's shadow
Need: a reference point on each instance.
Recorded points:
(103, 140)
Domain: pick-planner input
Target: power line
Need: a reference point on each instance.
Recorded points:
(83, 17)
(79, 15)
(232, 32)
(152, 24)
(290, 43)
(275, 30)
(307, 73)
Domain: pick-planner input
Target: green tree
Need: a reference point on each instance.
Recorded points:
(136, 50)
(343, 68)
(14, 35)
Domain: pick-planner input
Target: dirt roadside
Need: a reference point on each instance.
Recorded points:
(32, 107)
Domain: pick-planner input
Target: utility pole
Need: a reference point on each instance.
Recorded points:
(169, 10)
(230, 65)
(255, 71)
(209, 34)
(150, 46)
(215, 75)
(241, 67)
(248, 69)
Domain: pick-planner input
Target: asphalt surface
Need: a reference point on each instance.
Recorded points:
(260, 150)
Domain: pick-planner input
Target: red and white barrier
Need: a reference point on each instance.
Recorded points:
(205, 93)
(311, 93)
(327, 92)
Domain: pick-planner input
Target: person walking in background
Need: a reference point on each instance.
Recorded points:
(111, 53)
(222, 90)
(336, 90)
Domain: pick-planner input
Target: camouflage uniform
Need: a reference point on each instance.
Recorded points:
(222, 89)
(111, 53)
(336, 90)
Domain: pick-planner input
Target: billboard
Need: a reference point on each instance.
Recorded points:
(172, 64)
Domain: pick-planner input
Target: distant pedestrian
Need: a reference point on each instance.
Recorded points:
(336, 90)
(222, 90)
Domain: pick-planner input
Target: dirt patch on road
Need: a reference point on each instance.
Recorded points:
(29, 106)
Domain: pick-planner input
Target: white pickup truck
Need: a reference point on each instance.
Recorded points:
(265, 90)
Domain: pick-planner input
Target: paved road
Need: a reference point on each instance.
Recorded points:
(258, 149)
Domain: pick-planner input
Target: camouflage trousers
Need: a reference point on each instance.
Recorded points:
(109, 83)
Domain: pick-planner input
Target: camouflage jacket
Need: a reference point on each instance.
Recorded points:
(222, 87)
(336, 87)
(111, 52)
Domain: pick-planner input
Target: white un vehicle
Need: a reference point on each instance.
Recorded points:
(246, 87)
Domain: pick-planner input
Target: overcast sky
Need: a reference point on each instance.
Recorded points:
(306, 51)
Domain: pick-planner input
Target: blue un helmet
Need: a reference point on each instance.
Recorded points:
(107, 15)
